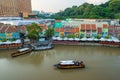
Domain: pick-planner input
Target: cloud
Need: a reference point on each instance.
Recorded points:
(57, 5)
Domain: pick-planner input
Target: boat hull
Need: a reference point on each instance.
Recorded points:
(20, 53)
(69, 66)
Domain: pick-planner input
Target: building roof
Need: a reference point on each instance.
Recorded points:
(83, 27)
(88, 27)
(44, 27)
(8, 29)
(105, 26)
(93, 26)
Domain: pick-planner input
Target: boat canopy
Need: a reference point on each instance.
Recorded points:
(67, 62)
(23, 49)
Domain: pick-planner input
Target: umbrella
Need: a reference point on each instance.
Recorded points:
(116, 40)
(59, 38)
(71, 39)
(65, 38)
(95, 39)
(102, 39)
(83, 39)
(90, 39)
(77, 39)
(109, 40)
(7, 42)
(54, 38)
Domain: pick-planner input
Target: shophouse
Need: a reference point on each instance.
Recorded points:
(81, 28)
(9, 32)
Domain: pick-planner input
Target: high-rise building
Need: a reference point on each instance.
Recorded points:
(15, 8)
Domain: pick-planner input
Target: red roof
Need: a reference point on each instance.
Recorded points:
(8, 28)
(83, 27)
(105, 26)
(93, 26)
(58, 20)
(11, 29)
(44, 27)
(88, 27)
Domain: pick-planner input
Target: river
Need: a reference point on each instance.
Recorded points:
(102, 63)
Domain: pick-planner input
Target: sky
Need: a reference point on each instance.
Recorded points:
(57, 5)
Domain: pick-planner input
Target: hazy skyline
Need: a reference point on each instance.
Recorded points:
(57, 5)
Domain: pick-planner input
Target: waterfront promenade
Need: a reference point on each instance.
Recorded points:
(85, 41)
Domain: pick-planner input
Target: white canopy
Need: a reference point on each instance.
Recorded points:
(77, 39)
(59, 38)
(109, 40)
(1, 42)
(84, 39)
(102, 39)
(54, 38)
(67, 62)
(7, 42)
(71, 39)
(23, 49)
(65, 38)
(116, 40)
(95, 39)
(90, 39)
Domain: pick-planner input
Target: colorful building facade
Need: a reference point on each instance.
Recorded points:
(78, 28)
(114, 30)
(9, 32)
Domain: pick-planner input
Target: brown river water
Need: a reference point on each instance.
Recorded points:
(102, 63)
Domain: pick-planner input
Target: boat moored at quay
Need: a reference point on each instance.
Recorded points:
(21, 52)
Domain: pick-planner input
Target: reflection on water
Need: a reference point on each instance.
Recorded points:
(102, 63)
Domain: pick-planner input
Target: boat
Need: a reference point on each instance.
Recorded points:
(41, 47)
(21, 52)
(70, 64)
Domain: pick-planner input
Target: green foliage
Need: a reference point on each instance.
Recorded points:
(62, 36)
(81, 37)
(4, 40)
(115, 6)
(98, 36)
(33, 31)
(12, 39)
(110, 9)
(71, 36)
(107, 37)
(49, 32)
(119, 37)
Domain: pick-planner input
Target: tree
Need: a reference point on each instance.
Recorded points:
(114, 5)
(110, 9)
(49, 32)
(33, 31)
(4, 40)
(98, 36)
(71, 36)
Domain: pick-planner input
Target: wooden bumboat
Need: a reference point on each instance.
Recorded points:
(21, 52)
(70, 64)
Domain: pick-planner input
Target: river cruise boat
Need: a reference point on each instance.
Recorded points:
(21, 52)
(70, 64)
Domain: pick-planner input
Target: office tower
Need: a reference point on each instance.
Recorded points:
(15, 8)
